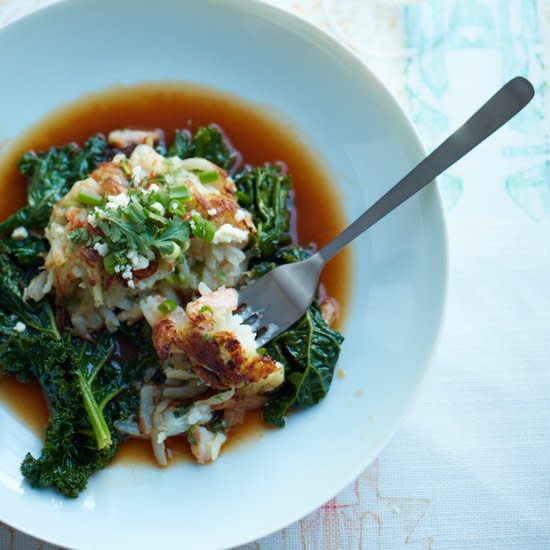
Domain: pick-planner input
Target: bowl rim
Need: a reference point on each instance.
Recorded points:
(271, 11)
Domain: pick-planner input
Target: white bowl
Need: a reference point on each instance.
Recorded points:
(269, 57)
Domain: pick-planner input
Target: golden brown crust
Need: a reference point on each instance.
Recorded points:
(218, 359)
(165, 335)
(111, 178)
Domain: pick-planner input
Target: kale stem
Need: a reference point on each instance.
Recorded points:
(109, 397)
(95, 414)
(100, 364)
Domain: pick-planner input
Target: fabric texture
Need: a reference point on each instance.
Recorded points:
(469, 467)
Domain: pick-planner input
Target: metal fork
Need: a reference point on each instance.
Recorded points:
(274, 302)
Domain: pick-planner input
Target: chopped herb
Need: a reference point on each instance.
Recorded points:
(182, 410)
(167, 306)
(204, 229)
(89, 198)
(79, 235)
(191, 436)
(110, 262)
(176, 208)
(218, 425)
(179, 192)
(202, 309)
(209, 176)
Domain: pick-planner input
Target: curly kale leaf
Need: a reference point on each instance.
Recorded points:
(265, 192)
(309, 351)
(207, 142)
(50, 176)
(88, 387)
(27, 252)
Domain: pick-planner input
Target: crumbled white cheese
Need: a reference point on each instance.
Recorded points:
(137, 260)
(102, 248)
(229, 234)
(114, 201)
(212, 212)
(20, 233)
(158, 207)
(152, 188)
(127, 273)
(131, 284)
(240, 215)
(20, 327)
(91, 219)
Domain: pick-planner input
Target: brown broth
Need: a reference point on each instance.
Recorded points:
(253, 131)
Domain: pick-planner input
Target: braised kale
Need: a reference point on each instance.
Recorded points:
(87, 390)
(207, 142)
(87, 386)
(50, 176)
(265, 192)
(309, 351)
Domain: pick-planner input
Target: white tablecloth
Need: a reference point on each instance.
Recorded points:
(470, 466)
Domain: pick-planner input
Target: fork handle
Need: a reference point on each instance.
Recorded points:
(498, 110)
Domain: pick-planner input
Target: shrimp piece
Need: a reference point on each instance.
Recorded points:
(126, 138)
(205, 445)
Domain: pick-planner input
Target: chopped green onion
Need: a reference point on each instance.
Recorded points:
(176, 208)
(135, 213)
(208, 177)
(157, 217)
(90, 198)
(179, 192)
(172, 279)
(109, 263)
(125, 166)
(161, 197)
(167, 306)
(202, 309)
(203, 229)
(171, 251)
(181, 278)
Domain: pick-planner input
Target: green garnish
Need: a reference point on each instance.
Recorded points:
(202, 309)
(172, 280)
(218, 425)
(109, 263)
(176, 208)
(203, 229)
(179, 192)
(182, 410)
(191, 436)
(208, 177)
(167, 306)
(89, 198)
(124, 165)
(79, 235)
(173, 254)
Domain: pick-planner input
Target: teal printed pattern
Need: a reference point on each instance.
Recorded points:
(509, 31)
